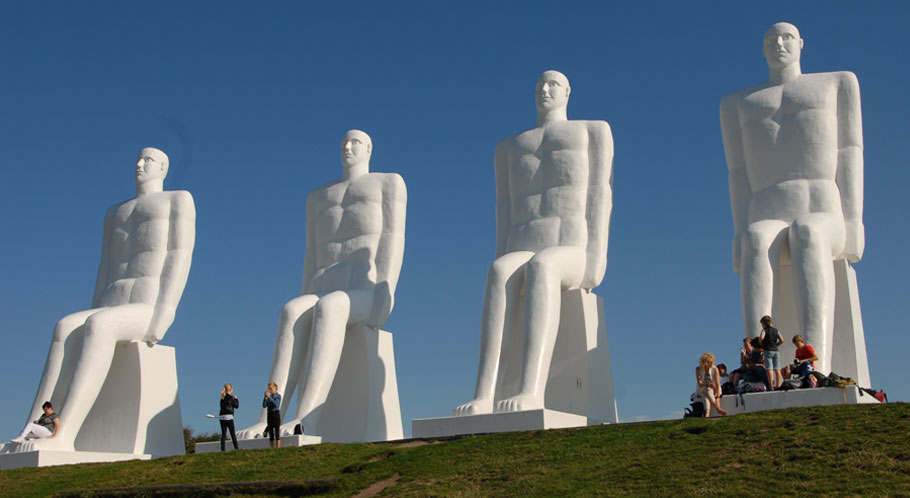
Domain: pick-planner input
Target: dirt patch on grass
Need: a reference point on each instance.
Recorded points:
(416, 443)
(377, 487)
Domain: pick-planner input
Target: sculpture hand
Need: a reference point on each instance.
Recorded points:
(856, 241)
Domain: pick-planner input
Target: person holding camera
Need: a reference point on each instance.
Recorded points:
(272, 403)
(229, 403)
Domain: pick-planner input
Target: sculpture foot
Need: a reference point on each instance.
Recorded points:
(476, 407)
(56, 444)
(251, 431)
(520, 403)
(287, 428)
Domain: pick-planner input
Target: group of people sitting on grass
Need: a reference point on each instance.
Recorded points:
(760, 368)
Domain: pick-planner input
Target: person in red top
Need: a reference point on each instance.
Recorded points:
(805, 358)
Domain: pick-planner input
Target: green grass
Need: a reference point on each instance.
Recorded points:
(836, 450)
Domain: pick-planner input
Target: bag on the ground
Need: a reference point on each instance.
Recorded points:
(791, 384)
(751, 387)
(696, 408)
(879, 395)
(835, 380)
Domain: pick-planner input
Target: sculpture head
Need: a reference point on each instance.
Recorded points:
(151, 165)
(782, 45)
(356, 148)
(552, 91)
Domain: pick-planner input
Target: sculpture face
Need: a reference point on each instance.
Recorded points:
(552, 91)
(782, 45)
(355, 148)
(151, 165)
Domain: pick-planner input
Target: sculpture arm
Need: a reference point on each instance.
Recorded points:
(390, 252)
(599, 202)
(103, 270)
(503, 197)
(740, 190)
(850, 164)
(309, 256)
(176, 268)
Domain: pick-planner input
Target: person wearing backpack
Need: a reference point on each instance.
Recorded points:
(770, 339)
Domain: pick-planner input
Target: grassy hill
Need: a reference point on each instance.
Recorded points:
(833, 450)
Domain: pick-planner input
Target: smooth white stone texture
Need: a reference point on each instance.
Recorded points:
(580, 379)
(754, 402)
(146, 254)
(363, 403)
(794, 149)
(354, 250)
(151, 424)
(579, 388)
(47, 458)
(257, 444)
(528, 420)
(848, 354)
(553, 204)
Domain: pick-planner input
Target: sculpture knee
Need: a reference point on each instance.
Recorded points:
(65, 327)
(333, 306)
(539, 268)
(757, 241)
(499, 273)
(807, 235)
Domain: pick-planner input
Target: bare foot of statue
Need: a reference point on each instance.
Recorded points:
(519, 403)
(56, 444)
(251, 431)
(287, 428)
(476, 407)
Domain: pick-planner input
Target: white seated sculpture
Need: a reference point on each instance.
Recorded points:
(794, 149)
(354, 250)
(553, 204)
(145, 260)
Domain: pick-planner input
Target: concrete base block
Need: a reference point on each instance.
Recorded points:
(821, 396)
(495, 422)
(46, 458)
(257, 444)
(138, 410)
(848, 341)
(362, 404)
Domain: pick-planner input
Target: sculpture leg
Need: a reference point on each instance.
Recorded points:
(504, 282)
(546, 275)
(763, 242)
(59, 366)
(290, 349)
(331, 317)
(814, 240)
(103, 330)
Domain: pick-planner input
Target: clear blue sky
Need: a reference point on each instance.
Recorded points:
(251, 101)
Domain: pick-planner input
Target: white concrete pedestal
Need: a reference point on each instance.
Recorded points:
(362, 405)
(579, 385)
(257, 444)
(821, 396)
(136, 415)
(848, 350)
(529, 420)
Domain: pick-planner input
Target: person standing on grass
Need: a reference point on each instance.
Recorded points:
(272, 404)
(708, 384)
(229, 403)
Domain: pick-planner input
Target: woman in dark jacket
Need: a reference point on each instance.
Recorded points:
(229, 403)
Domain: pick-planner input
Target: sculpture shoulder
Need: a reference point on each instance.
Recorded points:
(181, 200)
(391, 182)
(599, 129)
(846, 81)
